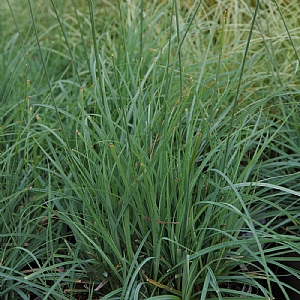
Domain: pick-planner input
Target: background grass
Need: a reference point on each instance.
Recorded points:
(149, 150)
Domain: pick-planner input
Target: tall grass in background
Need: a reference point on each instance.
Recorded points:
(149, 149)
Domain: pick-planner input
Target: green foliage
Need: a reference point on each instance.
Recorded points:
(149, 150)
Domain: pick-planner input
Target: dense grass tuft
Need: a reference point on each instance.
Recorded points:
(149, 150)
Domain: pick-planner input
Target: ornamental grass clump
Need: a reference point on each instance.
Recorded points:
(149, 150)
